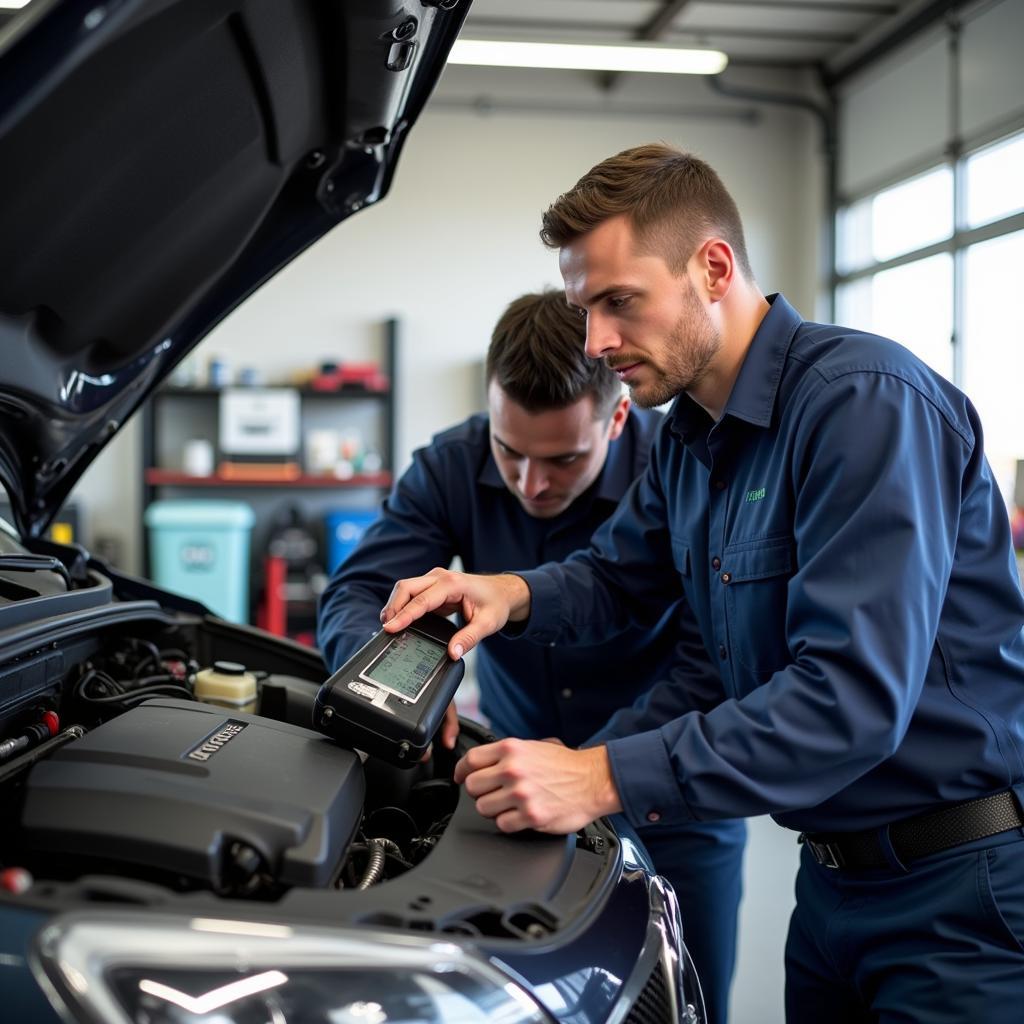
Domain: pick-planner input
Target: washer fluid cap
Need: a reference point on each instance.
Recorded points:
(229, 668)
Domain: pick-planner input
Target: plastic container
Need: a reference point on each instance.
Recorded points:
(227, 685)
(201, 549)
(345, 528)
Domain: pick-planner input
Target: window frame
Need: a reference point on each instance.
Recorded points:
(962, 238)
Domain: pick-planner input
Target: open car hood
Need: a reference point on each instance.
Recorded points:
(159, 160)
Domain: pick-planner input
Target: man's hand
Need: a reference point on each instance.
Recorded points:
(486, 603)
(449, 730)
(539, 784)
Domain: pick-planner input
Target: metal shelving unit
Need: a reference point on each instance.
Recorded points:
(200, 406)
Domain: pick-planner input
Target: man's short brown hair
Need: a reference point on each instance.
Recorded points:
(673, 199)
(537, 357)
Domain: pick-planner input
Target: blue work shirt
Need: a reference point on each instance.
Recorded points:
(842, 544)
(453, 502)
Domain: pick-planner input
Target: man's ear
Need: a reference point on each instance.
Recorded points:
(620, 414)
(716, 267)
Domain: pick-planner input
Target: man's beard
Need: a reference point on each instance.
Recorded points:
(692, 345)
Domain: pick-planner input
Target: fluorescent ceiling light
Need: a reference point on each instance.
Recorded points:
(660, 59)
(14, 3)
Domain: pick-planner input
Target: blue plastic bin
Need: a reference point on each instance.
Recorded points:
(201, 549)
(345, 528)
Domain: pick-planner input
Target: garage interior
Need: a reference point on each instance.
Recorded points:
(875, 149)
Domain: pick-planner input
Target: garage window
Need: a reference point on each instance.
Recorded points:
(934, 261)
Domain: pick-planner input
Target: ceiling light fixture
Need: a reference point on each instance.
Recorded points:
(13, 3)
(581, 57)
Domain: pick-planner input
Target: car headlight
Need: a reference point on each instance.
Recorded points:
(130, 969)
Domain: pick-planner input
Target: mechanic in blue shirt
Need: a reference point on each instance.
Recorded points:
(530, 483)
(822, 499)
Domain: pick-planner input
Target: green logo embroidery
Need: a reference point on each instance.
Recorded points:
(756, 495)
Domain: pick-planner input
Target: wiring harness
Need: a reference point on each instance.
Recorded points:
(137, 671)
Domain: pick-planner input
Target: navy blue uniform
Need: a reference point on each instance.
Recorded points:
(846, 554)
(453, 502)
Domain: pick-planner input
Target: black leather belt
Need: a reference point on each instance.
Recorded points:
(919, 836)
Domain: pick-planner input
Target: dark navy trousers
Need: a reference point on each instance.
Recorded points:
(942, 943)
(704, 864)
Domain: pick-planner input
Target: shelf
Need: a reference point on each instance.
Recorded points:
(175, 414)
(175, 478)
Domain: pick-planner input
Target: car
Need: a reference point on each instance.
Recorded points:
(171, 860)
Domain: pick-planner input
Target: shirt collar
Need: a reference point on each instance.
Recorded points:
(619, 468)
(757, 384)
(616, 474)
(489, 475)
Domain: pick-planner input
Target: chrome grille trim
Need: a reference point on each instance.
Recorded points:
(653, 993)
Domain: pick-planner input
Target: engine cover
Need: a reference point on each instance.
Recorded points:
(193, 789)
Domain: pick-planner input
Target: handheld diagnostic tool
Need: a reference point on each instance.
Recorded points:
(389, 698)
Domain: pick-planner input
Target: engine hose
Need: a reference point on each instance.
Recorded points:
(26, 759)
(32, 735)
(379, 849)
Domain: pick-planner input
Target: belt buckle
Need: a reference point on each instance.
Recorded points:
(827, 855)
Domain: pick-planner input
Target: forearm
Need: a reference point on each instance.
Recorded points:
(348, 614)
(606, 794)
(588, 598)
(517, 594)
(412, 535)
(626, 572)
(687, 680)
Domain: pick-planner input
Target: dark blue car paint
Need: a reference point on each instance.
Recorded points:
(582, 980)
(21, 998)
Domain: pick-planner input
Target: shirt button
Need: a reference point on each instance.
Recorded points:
(653, 816)
(722, 652)
(552, 644)
(716, 563)
(566, 693)
(719, 485)
(727, 577)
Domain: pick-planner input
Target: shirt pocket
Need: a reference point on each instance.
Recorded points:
(683, 561)
(681, 558)
(755, 601)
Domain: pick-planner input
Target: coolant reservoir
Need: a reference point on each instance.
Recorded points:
(228, 685)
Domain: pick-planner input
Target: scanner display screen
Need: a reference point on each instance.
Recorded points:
(406, 664)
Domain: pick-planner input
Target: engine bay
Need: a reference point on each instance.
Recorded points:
(133, 770)
(110, 765)
(182, 790)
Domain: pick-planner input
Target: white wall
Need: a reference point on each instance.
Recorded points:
(452, 244)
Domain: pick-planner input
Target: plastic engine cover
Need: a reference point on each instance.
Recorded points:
(177, 785)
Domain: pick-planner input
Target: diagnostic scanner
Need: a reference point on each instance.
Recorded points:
(390, 697)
